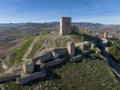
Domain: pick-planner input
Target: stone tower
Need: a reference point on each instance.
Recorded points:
(105, 35)
(65, 25)
(28, 68)
(71, 48)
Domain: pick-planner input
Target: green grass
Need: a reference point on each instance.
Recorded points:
(77, 38)
(49, 28)
(33, 51)
(18, 54)
(38, 45)
(114, 50)
(58, 42)
(88, 75)
(62, 42)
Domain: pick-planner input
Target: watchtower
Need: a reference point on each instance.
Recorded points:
(105, 35)
(65, 25)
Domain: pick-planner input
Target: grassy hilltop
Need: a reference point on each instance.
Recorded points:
(87, 75)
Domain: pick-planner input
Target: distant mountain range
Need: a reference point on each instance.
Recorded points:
(11, 24)
(49, 24)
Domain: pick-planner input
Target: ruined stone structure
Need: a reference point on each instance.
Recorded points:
(71, 48)
(105, 35)
(8, 78)
(61, 51)
(55, 62)
(50, 59)
(30, 77)
(76, 58)
(86, 52)
(98, 51)
(85, 45)
(65, 25)
(28, 68)
(46, 57)
(75, 29)
(4, 66)
(55, 54)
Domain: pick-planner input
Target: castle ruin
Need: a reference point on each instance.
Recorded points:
(65, 25)
(71, 48)
(28, 68)
(105, 35)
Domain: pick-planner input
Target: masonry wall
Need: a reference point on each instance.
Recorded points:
(61, 51)
(48, 56)
(55, 62)
(8, 78)
(28, 68)
(71, 48)
(76, 58)
(65, 25)
(31, 77)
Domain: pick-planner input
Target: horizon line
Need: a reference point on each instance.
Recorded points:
(53, 22)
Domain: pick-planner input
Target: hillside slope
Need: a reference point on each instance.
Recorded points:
(86, 75)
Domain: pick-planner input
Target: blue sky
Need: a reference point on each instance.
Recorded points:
(97, 11)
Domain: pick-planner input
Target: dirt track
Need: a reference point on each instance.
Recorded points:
(29, 49)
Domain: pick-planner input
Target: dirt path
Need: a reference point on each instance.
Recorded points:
(48, 45)
(29, 49)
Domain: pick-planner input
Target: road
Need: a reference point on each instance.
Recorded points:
(111, 61)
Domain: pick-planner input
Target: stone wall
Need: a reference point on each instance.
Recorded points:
(8, 78)
(31, 77)
(76, 58)
(55, 62)
(61, 51)
(48, 56)
(86, 52)
(55, 54)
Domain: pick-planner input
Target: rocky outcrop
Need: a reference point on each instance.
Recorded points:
(8, 78)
